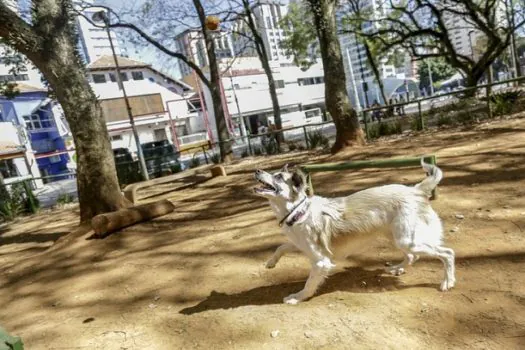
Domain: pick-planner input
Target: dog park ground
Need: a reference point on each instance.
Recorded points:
(195, 279)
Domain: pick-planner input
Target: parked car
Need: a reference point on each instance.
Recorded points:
(122, 155)
(161, 157)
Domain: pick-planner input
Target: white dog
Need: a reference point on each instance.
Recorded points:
(321, 228)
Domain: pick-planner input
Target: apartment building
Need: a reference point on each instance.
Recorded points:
(159, 104)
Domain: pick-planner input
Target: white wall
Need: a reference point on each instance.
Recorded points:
(14, 136)
(177, 105)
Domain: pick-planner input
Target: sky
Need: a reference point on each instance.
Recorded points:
(145, 53)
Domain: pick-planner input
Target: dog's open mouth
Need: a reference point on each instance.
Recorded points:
(264, 187)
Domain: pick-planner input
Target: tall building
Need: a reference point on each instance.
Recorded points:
(268, 14)
(192, 45)
(28, 74)
(359, 75)
(94, 41)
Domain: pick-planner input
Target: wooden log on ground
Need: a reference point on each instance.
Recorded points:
(105, 224)
(218, 170)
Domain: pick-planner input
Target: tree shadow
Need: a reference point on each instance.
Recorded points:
(32, 238)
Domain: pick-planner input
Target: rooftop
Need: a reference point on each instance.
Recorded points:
(107, 62)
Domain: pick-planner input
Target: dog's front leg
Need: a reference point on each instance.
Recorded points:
(279, 252)
(320, 270)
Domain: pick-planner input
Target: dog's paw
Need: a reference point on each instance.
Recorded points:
(292, 299)
(270, 264)
(447, 284)
(394, 270)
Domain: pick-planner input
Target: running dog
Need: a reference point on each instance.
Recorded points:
(323, 228)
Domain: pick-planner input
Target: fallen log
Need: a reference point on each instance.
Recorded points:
(105, 224)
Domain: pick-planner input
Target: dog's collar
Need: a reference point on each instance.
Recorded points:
(295, 215)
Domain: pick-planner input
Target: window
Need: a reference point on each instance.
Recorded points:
(151, 79)
(116, 138)
(312, 113)
(36, 121)
(268, 23)
(11, 77)
(54, 159)
(112, 77)
(279, 84)
(236, 86)
(8, 168)
(32, 122)
(137, 75)
(99, 78)
(124, 76)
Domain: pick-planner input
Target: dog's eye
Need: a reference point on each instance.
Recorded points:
(279, 177)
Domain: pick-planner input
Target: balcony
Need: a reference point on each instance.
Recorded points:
(200, 137)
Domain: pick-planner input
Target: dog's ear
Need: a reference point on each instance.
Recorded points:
(308, 181)
(299, 179)
(285, 168)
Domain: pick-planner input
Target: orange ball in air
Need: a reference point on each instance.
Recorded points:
(212, 22)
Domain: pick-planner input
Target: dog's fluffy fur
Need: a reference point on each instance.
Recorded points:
(323, 228)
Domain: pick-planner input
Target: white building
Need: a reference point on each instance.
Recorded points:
(191, 44)
(359, 74)
(267, 16)
(28, 74)
(17, 161)
(93, 41)
(247, 99)
(158, 102)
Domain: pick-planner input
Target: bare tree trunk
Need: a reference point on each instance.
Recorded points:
(225, 145)
(375, 69)
(263, 57)
(51, 47)
(349, 132)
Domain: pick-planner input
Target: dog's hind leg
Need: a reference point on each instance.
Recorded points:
(446, 255)
(398, 270)
(318, 274)
(279, 252)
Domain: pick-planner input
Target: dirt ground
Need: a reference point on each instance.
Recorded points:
(195, 279)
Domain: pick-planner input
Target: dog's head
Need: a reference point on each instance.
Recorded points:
(282, 185)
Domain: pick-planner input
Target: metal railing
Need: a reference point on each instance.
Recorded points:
(418, 102)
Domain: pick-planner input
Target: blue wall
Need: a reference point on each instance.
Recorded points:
(44, 140)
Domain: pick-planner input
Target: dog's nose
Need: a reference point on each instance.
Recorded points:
(258, 171)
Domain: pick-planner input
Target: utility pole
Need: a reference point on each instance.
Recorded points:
(102, 16)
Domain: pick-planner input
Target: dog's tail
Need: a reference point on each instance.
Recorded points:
(434, 176)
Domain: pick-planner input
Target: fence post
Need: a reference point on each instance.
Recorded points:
(489, 106)
(205, 154)
(420, 114)
(366, 125)
(305, 137)
(250, 146)
(33, 206)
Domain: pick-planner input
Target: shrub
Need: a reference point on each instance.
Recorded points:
(270, 146)
(317, 139)
(257, 151)
(415, 123)
(504, 101)
(444, 120)
(195, 162)
(12, 203)
(301, 147)
(292, 146)
(65, 198)
(215, 158)
(177, 168)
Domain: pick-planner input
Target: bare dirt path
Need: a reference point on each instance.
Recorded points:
(195, 279)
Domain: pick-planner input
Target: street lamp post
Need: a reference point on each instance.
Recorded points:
(101, 16)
